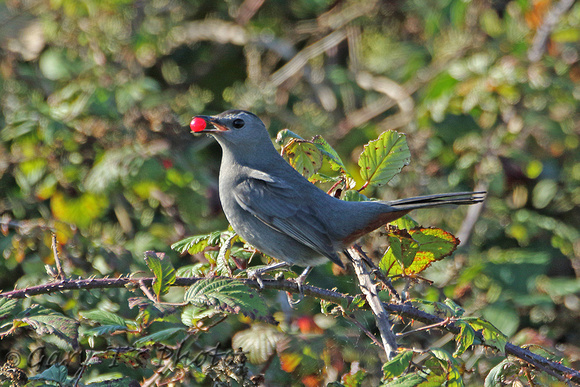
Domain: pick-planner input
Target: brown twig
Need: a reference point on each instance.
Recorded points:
(302, 58)
(426, 327)
(59, 270)
(145, 289)
(553, 368)
(352, 319)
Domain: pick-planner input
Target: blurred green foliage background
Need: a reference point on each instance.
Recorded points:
(96, 97)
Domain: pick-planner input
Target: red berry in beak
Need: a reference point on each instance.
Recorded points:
(197, 124)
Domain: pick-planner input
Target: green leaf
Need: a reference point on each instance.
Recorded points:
(157, 337)
(304, 156)
(497, 374)
(162, 270)
(397, 365)
(354, 379)
(109, 321)
(223, 258)
(330, 154)
(409, 380)
(197, 243)
(405, 223)
(122, 382)
(230, 296)
(286, 134)
(104, 317)
(449, 363)
(56, 373)
(103, 330)
(54, 325)
(8, 308)
(491, 334)
(412, 251)
(464, 339)
(383, 158)
(566, 35)
(503, 316)
(354, 196)
(199, 269)
(457, 310)
(193, 314)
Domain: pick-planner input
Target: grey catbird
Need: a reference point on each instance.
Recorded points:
(278, 211)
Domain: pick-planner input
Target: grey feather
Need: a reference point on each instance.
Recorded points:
(278, 211)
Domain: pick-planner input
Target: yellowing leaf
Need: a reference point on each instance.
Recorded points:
(412, 251)
(304, 156)
(289, 361)
(81, 210)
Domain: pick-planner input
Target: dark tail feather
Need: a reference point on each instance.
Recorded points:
(455, 198)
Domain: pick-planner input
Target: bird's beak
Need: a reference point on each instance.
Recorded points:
(206, 124)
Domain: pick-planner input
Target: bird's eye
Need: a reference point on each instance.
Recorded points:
(238, 123)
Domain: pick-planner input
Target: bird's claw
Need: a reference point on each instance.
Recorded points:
(300, 280)
(256, 274)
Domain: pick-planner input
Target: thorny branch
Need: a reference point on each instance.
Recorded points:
(406, 310)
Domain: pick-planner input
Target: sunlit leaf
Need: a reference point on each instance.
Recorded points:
(354, 379)
(397, 365)
(193, 314)
(412, 251)
(304, 156)
(230, 296)
(354, 196)
(330, 154)
(197, 243)
(163, 271)
(464, 339)
(289, 361)
(286, 135)
(80, 210)
(491, 334)
(383, 158)
(409, 380)
(259, 342)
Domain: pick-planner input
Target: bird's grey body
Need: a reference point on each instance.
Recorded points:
(282, 214)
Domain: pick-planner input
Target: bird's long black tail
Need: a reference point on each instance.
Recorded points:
(455, 198)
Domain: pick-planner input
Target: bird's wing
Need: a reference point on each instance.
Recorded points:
(283, 208)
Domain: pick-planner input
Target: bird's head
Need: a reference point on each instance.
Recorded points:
(232, 127)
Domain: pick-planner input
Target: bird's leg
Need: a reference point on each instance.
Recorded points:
(257, 274)
(300, 281)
